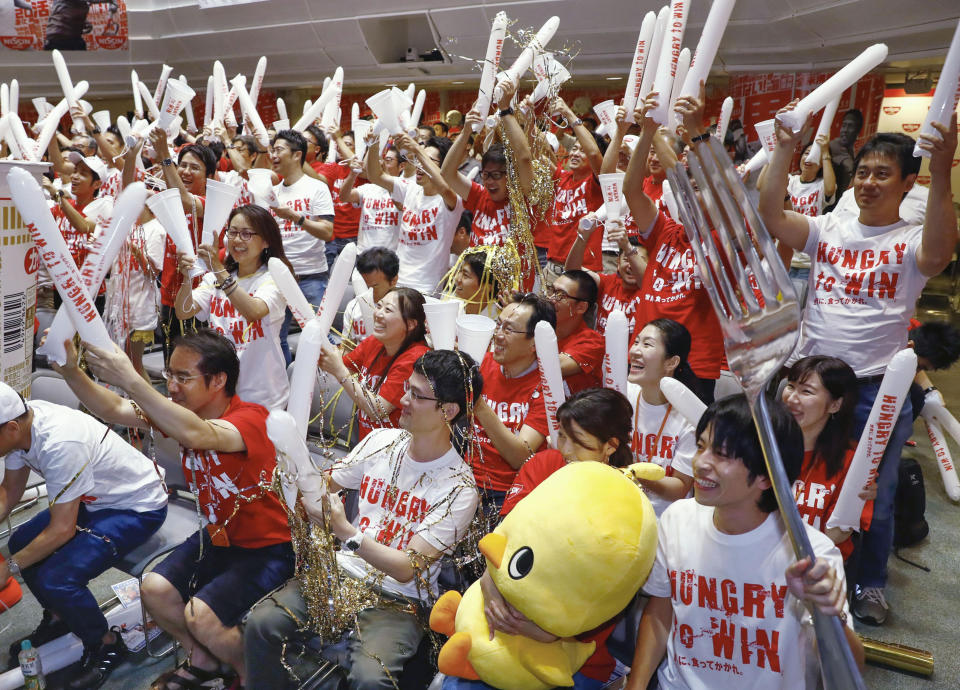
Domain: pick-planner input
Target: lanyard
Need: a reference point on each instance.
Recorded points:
(637, 441)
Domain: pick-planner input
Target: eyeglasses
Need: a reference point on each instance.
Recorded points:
(492, 174)
(560, 295)
(181, 379)
(244, 235)
(414, 394)
(239, 147)
(499, 325)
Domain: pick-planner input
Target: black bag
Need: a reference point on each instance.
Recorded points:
(910, 503)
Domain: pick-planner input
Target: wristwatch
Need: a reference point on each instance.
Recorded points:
(352, 544)
(577, 122)
(301, 220)
(506, 111)
(13, 566)
(166, 161)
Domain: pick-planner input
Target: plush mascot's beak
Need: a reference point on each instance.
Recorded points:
(492, 546)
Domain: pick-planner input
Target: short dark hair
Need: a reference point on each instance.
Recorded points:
(542, 310)
(217, 356)
(296, 141)
(587, 289)
(478, 263)
(250, 142)
(894, 146)
(604, 413)
(855, 114)
(735, 435)
(677, 342)
(204, 153)
(217, 146)
(448, 372)
(379, 259)
(466, 222)
(494, 156)
(441, 144)
(443, 125)
(322, 142)
(938, 342)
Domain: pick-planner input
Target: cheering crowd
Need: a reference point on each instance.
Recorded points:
(445, 443)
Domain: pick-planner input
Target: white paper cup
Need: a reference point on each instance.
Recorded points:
(474, 332)
(261, 182)
(383, 106)
(176, 96)
(168, 208)
(221, 198)
(768, 137)
(442, 323)
(102, 119)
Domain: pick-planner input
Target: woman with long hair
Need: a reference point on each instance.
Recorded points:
(660, 433)
(821, 394)
(374, 373)
(239, 299)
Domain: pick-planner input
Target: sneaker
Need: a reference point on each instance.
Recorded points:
(870, 606)
(97, 664)
(48, 630)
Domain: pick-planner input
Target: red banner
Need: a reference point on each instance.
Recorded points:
(52, 24)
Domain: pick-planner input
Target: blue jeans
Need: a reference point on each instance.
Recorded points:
(580, 682)
(878, 540)
(333, 248)
(312, 287)
(59, 582)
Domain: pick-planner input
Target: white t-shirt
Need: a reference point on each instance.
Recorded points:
(143, 292)
(310, 198)
(863, 288)
(400, 498)
(809, 199)
(427, 228)
(81, 458)
(263, 371)
(735, 623)
(663, 436)
(353, 326)
(913, 208)
(379, 219)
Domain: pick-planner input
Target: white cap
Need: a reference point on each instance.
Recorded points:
(92, 162)
(11, 404)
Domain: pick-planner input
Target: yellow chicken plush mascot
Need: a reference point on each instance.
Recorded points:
(570, 556)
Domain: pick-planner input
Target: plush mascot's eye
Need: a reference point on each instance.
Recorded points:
(521, 564)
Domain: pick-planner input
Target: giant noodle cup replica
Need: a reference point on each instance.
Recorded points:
(568, 574)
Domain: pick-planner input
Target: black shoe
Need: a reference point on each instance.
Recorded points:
(48, 630)
(97, 664)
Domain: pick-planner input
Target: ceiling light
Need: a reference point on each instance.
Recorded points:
(614, 78)
(457, 82)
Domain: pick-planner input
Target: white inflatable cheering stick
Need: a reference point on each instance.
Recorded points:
(491, 66)
(294, 458)
(703, 59)
(522, 63)
(944, 101)
(683, 399)
(615, 365)
(551, 379)
(669, 55)
(640, 55)
(813, 156)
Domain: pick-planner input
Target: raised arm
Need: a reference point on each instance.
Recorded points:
(826, 163)
(347, 192)
(789, 227)
(641, 206)
(520, 148)
(170, 173)
(940, 223)
(451, 164)
(374, 172)
(587, 142)
(612, 155)
(406, 143)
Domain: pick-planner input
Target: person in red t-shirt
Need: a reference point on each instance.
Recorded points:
(671, 286)
(594, 427)
(577, 193)
(620, 290)
(821, 394)
(511, 413)
(346, 217)
(202, 590)
(382, 361)
(574, 293)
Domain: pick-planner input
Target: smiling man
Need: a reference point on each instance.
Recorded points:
(728, 599)
(199, 593)
(417, 498)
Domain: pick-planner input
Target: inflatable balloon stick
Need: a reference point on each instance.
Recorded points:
(684, 400)
(948, 472)
(669, 56)
(944, 101)
(304, 377)
(723, 122)
(703, 59)
(294, 459)
(302, 310)
(522, 63)
(640, 55)
(490, 66)
(551, 379)
(824, 128)
(873, 441)
(339, 279)
(615, 365)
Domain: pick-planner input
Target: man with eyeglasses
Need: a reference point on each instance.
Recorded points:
(417, 498)
(305, 215)
(205, 586)
(489, 201)
(574, 294)
(511, 415)
(106, 499)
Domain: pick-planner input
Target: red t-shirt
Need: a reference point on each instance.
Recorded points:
(491, 225)
(600, 665)
(615, 294)
(226, 482)
(817, 495)
(586, 347)
(518, 402)
(671, 289)
(653, 188)
(369, 360)
(77, 242)
(170, 277)
(573, 198)
(346, 216)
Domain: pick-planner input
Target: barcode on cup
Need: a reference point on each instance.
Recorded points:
(14, 312)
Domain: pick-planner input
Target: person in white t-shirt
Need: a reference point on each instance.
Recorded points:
(866, 275)
(240, 300)
(728, 599)
(416, 499)
(660, 433)
(378, 266)
(380, 214)
(431, 211)
(106, 499)
(304, 212)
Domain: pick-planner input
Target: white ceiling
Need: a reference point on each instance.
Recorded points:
(305, 40)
